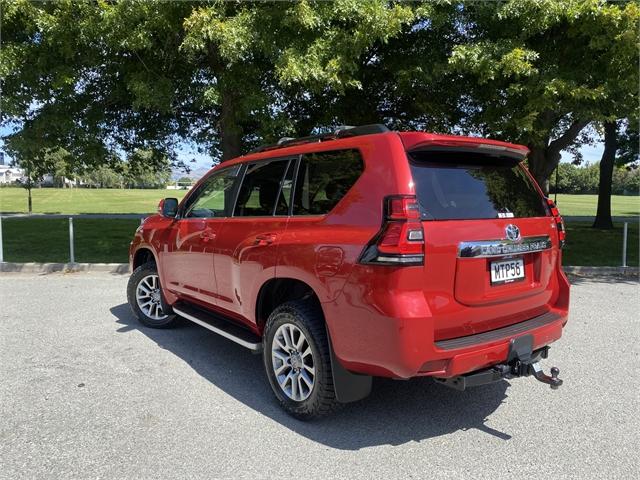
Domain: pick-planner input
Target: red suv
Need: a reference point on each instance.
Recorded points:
(363, 253)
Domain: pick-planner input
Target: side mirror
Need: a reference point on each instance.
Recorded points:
(168, 207)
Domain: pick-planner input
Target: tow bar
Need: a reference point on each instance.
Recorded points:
(522, 361)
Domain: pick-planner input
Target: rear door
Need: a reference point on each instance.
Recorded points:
(489, 239)
(247, 246)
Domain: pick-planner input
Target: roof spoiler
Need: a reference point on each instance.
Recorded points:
(482, 148)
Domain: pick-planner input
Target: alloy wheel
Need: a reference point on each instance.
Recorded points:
(292, 360)
(149, 297)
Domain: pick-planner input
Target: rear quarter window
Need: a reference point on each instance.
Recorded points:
(461, 185)
(323, 180)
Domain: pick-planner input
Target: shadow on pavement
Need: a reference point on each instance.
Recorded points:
(395, 413)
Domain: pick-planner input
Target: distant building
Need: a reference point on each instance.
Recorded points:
(49, 180)
(10, 174)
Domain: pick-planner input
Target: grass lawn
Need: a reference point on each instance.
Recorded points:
(107, 240)
(586, 205)
(600, 248)
(47, 239)
(84, 200)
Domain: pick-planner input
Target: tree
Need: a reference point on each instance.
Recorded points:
(103, 177)
(544, 70)
(143, 177)
(614, 141)
(404, 81)
(31, 178)
(102, 78)
(34, 169)
(97, 78)
(603, 218)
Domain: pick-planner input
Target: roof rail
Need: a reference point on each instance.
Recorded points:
(340, 132)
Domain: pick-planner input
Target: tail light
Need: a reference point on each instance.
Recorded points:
(400, 241)
(562, 234)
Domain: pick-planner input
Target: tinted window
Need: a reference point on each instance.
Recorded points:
(323, 179)
(456, 185)
(260, 188)
(214, 198)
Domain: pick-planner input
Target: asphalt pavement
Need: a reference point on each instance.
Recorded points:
(86, 392)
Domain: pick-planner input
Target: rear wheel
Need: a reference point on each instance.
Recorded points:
(296, 359)
(145, 297)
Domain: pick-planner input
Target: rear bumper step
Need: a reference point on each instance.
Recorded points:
(218, 325)
(498, 334)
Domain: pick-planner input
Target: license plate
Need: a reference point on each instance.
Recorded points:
(507, 271)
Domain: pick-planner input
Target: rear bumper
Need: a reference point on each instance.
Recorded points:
(490, 348)
(403, 357)
(390, 333)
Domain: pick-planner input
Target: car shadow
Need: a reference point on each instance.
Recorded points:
(395, 413)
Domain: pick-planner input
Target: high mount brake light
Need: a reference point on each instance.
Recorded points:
(562, 234)
(400, 241)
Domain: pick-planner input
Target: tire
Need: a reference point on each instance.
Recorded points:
(289, 369)
(156, 314)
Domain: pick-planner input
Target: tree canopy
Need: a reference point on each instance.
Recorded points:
(102, 80)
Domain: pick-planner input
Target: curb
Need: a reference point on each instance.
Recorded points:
(120, 268)
(600, 271)
(123, 268)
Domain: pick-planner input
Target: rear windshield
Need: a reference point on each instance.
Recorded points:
(462, 186)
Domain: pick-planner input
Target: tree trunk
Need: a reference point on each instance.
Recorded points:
(544, 158)
(603, 216)
(542, 163)
(230, 131)
(30, 203)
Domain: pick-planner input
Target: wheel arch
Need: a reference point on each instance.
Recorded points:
(349, 387)
(143, 255)
(276, 291)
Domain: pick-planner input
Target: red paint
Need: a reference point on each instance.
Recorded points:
(383, 320)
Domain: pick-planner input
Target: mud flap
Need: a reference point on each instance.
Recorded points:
(349, 387)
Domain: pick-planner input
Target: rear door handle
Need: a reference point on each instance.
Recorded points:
(207, 235)
(265, 239)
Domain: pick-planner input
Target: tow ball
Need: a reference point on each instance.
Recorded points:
(522, 361)
(552, 380)
(522, 369)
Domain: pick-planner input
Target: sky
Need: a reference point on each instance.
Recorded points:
(203, 162)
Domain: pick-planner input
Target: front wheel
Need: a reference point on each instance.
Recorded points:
(145, 298)
(297, 360)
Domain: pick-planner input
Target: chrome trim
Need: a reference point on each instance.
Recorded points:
(400, 259)
(500, 248)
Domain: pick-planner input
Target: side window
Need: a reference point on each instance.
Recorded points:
(323, 179)
(214, 197)
(260, 188)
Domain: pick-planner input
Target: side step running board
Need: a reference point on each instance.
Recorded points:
(220, 326)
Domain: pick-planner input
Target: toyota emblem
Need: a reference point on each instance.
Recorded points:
(513, 232)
